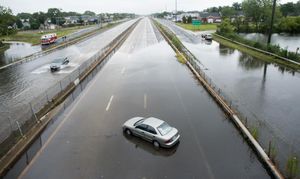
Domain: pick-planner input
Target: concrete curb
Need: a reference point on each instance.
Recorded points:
(241, 127)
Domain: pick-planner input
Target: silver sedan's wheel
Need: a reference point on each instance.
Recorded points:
(128, 132)
(156, 144)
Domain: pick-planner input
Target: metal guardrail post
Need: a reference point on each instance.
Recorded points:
(34, 115)
(20, 130)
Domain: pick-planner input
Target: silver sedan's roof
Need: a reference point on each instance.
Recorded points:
(154, 122)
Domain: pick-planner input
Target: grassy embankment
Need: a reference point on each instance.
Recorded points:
(33, 37)
(256, 54)
(202, 27)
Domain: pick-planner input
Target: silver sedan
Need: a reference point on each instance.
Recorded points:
(153, 130)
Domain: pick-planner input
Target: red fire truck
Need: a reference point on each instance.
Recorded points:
(48, 39)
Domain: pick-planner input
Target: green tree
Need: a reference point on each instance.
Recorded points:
(237, 6)
(24, 15)
(227, 12)
(40, 17)
(253, 11)
(184, 20)
(288, 9)
(225, 28)
(289, 24)
(267, 15)
(90, 13)
(53, 14)
(189, 19)
(7, 20)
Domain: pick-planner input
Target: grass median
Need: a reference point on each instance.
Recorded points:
(33, 37)
(202, 27)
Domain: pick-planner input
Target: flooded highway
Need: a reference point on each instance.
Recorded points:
(144, 78)
(18, 50)
(267, 94)
(20, 84)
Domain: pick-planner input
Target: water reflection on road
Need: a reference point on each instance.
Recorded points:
(267, 94)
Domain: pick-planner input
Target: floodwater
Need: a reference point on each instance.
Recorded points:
(144, 78)
(20, 84)
(267, 94)
(286, 41)
(16, 51)
(20, 50)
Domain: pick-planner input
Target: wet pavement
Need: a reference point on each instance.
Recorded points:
(267, 94)
(144, 78)
(20, 50)
(20, 84)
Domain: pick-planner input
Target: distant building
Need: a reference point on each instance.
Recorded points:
(240, 15)
(48, 25)
(210, 17)
(194, 15)
(25, 24)
(71, 20)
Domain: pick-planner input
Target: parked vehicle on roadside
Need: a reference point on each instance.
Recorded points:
(57, 64)
(153, 130)
(48, 39)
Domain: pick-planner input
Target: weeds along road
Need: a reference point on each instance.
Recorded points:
(21, 83)
(144, 79)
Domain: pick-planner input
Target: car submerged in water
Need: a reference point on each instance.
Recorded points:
(57, 64)
(153, 130)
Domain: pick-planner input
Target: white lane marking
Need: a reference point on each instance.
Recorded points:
(145, 101)
(84, 92)
(123, 70)
(21, 93)
(109, 102)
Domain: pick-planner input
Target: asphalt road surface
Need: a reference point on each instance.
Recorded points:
(265, 93)
(144, 79)
(20, 84)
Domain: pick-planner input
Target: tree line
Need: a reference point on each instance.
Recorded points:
(10, 22)
(255, 16)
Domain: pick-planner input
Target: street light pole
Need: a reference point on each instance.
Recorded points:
(272, 21)
(175, 10)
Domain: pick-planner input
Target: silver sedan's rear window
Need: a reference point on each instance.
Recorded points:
(164, 128)
(139, 122)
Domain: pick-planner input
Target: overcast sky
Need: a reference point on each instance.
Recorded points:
(132, 6)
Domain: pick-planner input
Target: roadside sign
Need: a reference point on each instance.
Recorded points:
(196, 22)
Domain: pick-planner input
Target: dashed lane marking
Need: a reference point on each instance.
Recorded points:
(109, 103)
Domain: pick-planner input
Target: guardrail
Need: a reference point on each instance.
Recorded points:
(66, 43)
(259, 50)
(38, 112)
(218, 96)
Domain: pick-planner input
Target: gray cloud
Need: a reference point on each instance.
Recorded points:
(98, 6)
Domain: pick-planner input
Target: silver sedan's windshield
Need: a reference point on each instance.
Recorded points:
(164, 128)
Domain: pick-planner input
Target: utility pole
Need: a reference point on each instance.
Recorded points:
(272, 21)
(175, 10)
